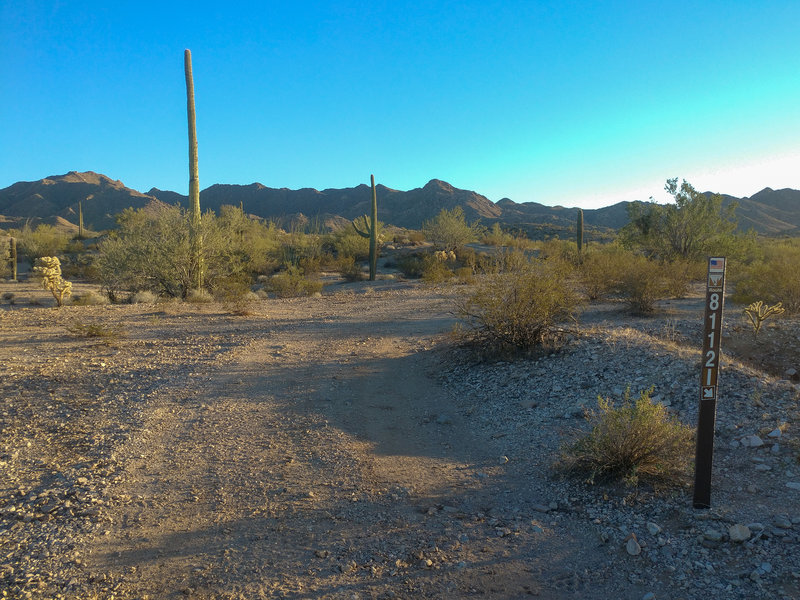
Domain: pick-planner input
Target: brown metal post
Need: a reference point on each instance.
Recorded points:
(709, 371)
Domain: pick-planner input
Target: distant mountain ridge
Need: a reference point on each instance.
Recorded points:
(772, 212)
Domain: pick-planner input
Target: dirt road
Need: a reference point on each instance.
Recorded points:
(323, 460)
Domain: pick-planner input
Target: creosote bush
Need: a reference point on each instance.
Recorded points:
(637, 441)
(519, 311)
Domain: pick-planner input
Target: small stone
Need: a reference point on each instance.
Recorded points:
(649, 596)
(632, 547)
(765, 567)
(712, 535)
(783, 522)
(775, 433)
(753, 441)
(444, 420)
(653, 529)
(793, 485)
(739, 533)
(776, 449)
(763, 467)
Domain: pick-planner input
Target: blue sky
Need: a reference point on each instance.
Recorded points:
(572, 103)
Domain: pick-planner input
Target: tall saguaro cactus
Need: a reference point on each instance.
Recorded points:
(194, 179)
(369, 229)
(580, 231)
(13, 255)
(80, 221)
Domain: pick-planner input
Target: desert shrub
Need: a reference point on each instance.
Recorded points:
(411, 265)
(107, 333)
(504, 261)
(416, 237)
(9, 297)
(773, 279)
(49, 269)
(566, 250)
(45, 240)
(449, 230)
(637, 441)
(601, 270)
(642, 284)
(435, 268)
(465, 275)
(519, 311)
(350, 269)
(144, 297)
(90, 298)
(150, 250)
(346, 242)
(679, 275)
(292, 283)
(200, 296)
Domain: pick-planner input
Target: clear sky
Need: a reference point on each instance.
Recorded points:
(572, 103)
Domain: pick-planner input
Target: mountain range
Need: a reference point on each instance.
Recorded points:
(55, 200)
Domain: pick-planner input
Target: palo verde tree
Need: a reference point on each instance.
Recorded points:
(196, 258)
(449, 230)
(695, 225)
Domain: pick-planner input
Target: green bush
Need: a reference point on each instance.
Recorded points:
(435, 269)
(411, 265)
(350, 269)
(520, 311)
(45, 240)
(637, 441)
(292, 284)
(449, 230)
(773, 279)
(642, 284)
(602, 270)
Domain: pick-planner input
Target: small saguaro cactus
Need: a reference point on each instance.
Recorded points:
(580, 231)
(49, 267)
(12, 251)
(369, 229)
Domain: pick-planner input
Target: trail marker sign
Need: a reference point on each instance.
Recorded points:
(709, 371)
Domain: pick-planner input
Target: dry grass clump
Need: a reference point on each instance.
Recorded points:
(199, 296)
(637, 441)
(144, 297)
(106, 333)
(90, 298)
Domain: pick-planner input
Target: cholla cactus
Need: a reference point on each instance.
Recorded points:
(759, 312)
(49, 267)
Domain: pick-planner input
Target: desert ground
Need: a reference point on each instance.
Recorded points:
(344, 446)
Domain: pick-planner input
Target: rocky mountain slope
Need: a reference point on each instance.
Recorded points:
(772, 212)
